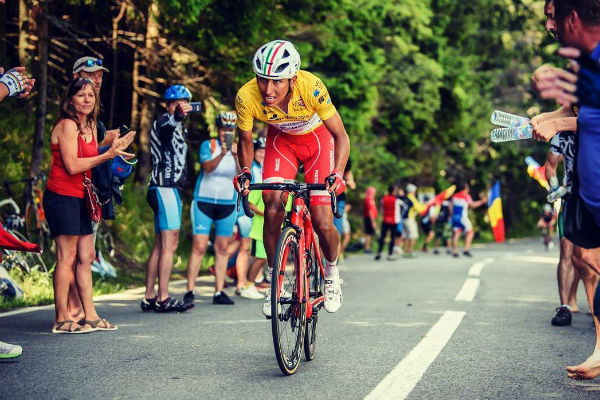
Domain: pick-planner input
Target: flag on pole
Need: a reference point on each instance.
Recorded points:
(438, 199)
(495, 212)
(537, 172)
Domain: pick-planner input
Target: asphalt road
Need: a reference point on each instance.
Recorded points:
(416, 329)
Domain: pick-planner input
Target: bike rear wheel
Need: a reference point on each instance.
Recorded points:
(315, 287)
(288, 314)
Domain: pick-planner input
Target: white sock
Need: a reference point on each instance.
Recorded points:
(331, 270)
(566, 305)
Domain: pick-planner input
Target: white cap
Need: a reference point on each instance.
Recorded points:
(410, 188)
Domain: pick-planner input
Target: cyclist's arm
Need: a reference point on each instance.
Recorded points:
(335, 126)
(212, 164)
(245, 148)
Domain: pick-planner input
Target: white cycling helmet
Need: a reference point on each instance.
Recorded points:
(227, 119)
(278, 59)
(411, 188)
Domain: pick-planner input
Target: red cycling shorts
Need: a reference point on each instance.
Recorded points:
(285, 152)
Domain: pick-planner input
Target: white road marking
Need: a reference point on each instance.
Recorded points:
(476, 269)
(404, 377)
(468, 291)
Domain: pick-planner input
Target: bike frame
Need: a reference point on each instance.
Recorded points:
(301, 221)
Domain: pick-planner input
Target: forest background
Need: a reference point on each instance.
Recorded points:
(415, 82)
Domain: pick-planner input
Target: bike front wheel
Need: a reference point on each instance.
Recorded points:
(288, 313)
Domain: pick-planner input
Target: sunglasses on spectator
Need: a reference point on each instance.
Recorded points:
(90, 62)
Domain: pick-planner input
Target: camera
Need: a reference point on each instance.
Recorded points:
(228, 139)
(123, 130)
(196, 107)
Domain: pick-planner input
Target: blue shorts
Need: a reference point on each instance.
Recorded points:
(166, 204)
(463, 224)
(244, 224)
(204, 214)
(339, 222)
(399, 228)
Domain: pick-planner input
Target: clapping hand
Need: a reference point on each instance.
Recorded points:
(120, 144)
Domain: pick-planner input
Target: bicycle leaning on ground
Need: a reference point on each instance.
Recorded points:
(297, 278)
(36, 226)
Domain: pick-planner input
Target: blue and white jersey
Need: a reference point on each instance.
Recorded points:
(216, 187)
(256, 170)
(168, 151)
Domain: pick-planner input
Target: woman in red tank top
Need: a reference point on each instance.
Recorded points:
(75, 153)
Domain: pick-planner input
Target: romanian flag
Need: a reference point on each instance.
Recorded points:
(495, 212)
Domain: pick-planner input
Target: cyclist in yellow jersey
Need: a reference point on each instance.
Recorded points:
(303, 127)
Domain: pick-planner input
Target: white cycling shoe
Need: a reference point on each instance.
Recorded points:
(266, 308)
(333, 294)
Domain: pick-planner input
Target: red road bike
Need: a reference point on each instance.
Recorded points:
(297, 279)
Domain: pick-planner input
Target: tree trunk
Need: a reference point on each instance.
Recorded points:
(113, 81)
(24, 56)
(3, 35)
(42, 86)
(135, 112)
(151, 49)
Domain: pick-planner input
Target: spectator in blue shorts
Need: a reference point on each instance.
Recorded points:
(214, 203)
(168, 150)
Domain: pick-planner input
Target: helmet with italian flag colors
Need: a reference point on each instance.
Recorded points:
(278, 59)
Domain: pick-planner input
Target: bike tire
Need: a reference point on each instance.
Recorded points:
(288, 314)
(315, 282)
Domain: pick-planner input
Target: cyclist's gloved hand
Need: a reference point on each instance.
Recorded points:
(179, 114)
(338, 182)
(239, 181)
(14, 81)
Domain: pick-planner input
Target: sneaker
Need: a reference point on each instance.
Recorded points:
(467, 254)
(333, 294)
(148, 304)
(448, 251)
(368, 251)
(222, 299)
(189, 297)
(238, 291)
(266, 308)
(562, 317)
(455, 255)
(171, 304)
(391, 257)
(436, 251)
(8, 350)
(378, 257)
(251, 293)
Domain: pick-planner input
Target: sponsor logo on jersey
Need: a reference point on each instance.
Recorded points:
(316, 93)
(277, 164)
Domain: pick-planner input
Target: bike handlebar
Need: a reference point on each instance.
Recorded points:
(292, 186)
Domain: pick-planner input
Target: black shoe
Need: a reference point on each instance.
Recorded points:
(436, 251)
(467, 254)
(148, 304)
(455, 255)
(378, 257)
(189, 297)
(172, 305)
(562, 317)
(222, 298)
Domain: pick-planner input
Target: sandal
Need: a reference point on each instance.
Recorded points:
(95, 325)
(69, 323)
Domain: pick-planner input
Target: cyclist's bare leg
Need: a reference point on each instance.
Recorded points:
(85, 255)
(274, 213)
(455, 236)
(469, 239)
(565, 272)
(169, 240)
(242, 262)
(199, 245)
(329, 238)
(590, 368)
(221, 257)
(152, 267)
(66, 251)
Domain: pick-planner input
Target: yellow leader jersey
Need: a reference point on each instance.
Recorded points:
(309, 106)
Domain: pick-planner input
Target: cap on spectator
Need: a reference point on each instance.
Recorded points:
(411, 188)
(88, 64)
